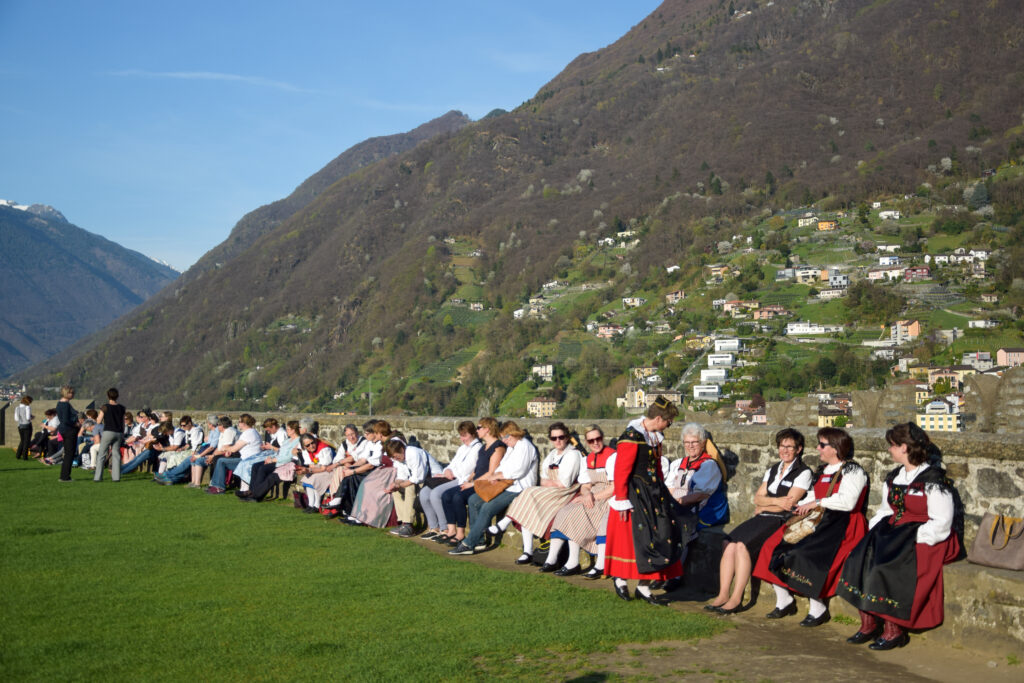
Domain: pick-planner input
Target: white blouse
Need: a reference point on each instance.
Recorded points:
(568, 462)
(463, 464)
(844, 497)
(939, 502)
(519, 463)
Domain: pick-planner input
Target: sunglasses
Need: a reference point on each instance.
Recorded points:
(597, 440)
(559, 437)
(823, 444)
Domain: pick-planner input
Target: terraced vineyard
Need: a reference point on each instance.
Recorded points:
(445, 370)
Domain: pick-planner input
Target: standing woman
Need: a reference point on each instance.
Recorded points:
(812, 565)
(782, 487)
(112, 418)
(894, 575)
(68, 429)
(643, 535)
(23, 416)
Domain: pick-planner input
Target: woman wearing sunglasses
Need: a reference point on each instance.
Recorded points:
(535, 509)
(582, 522)
(812, 565)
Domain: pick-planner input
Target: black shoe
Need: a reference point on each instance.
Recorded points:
(787, 611)
(311, 511)
(712, 608)
(242, 494)
(859, 638)
(524, 559)
(810, 621)
(657, 585)
(673, 584)
(883, 644)
(548, 568)
(249, 499)
(593, 574)
(622, 591)
(568, 571)
(651, 599)
(353, 522)
(730, 610)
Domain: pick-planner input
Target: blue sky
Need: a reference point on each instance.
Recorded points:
(158, 125)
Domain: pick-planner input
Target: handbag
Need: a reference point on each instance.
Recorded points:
(799, 528)
(488, 489)
(999, 543)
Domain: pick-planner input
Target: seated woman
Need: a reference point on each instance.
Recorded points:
(247, 445)
(277, 468)
(458, 472)
(320, 456)
(373, 504)
(44, 444)
(812, 565)
(413, 466)
(782, 487)
(518, 470)
(367, 456)
(894, 575)
(196, 442)
(220, 431)
(697, 482)
(535, 508)
(456, 500)
(583, 521)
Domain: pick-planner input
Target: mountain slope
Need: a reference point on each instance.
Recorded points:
(264, 219)
(696, 119)
(59, 283)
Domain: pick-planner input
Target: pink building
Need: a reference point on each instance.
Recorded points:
(1010, 357)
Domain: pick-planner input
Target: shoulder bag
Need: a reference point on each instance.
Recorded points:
(999, 543)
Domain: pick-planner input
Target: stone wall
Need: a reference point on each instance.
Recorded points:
(988, 468)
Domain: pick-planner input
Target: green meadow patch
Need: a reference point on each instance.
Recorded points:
(135, 581)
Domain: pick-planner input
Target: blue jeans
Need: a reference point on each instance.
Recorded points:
(455, 502)
(139, 459)
(183, 470)
(220, 472)
(430, 501)
(481, 513)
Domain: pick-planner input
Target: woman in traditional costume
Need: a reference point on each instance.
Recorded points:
(643, 535)
(811, 566)
(782, 487)
(894, 575)
(535, 508)
(583, 521)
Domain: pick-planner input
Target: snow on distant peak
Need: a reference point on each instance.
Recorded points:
(162, 263)
(13, 205)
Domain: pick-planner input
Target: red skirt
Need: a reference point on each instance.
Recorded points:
(856, 527)
(620, 553)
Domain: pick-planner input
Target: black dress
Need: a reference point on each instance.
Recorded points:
(756, 530)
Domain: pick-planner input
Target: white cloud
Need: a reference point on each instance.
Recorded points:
(210, 76)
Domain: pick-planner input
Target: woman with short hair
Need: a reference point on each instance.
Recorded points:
(459, 471)
(643, 536)
(456, 500)
(783, 485)
(23, 416)
(67, 427)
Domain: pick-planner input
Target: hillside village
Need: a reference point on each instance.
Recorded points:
(900, 290)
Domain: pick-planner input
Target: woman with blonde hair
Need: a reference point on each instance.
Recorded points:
(67, 428)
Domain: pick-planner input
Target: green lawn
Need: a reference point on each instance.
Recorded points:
(136, 581)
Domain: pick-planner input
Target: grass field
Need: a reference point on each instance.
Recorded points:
(136, 581)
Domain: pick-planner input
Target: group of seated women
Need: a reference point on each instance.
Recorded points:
(626, 505)
(810, 536)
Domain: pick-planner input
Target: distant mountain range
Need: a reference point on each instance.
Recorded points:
(59, 283)
(704, 115)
